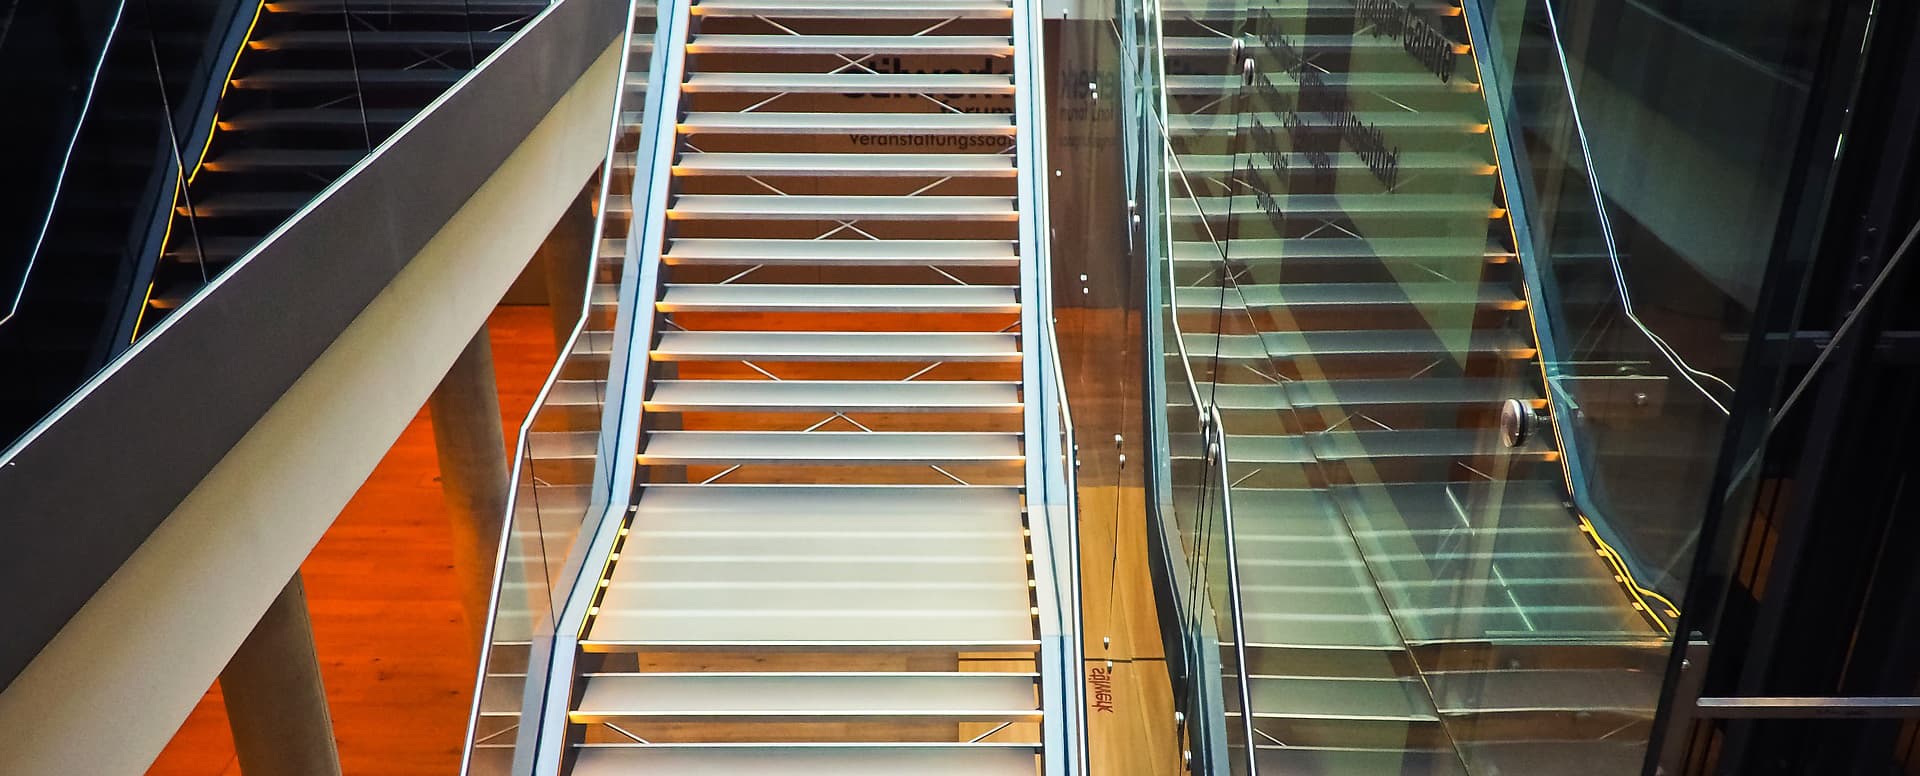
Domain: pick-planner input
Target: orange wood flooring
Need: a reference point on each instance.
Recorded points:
(385, 606)
(392, 646)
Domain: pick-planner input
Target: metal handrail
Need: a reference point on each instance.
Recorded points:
(1510, 155)
(640, 280)
(540, 399)
(1051, 472)
(1213, 427)
(59, 181)
(1221, 458)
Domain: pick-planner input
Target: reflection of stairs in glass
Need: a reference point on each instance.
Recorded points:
(1417, 597)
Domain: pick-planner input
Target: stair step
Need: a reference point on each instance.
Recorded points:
(363, 39)
(563, 445)
(819, 566)
(1198, 45)
(773, 207)
(1409, 162)
(329, 79)
(990, 45)
(806, 501)
(1257, 250)
(833, 396)
(857, 9)
(1399, 83)
(313, 118)
(1445, 443)
(283, 160)
(1265, 295)
(844, 696)
(1357, 761)
(915, 347)
(1557, 757)
(779, 298)
(1398, 122)
(847, 83)
(1426, 391)
(928, 759)
(1337, 205)
(263, 203)
(878, 253)
(460, 7)
(1618, 691)
(845, 448)
(816, 165)
(1340, 698)
(1290, 9)
(1359, 393)
(863, 124)
(1398, 342)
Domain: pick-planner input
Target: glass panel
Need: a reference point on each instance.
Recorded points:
(565, 468)
(1354, 298)
(105, 87)
(1653, 200)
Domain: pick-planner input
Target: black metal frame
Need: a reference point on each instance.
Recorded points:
(1805, 576)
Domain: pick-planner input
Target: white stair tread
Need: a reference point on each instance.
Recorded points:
(777, 122)
(855, 9)
(1360, 82)
(853, 83)
(801, 760)
(811, 164)
(1354, 294)
(833, 395)
(865, 44)
(1255, 249)
(849, 207)
(561, 445)
(836, 346)
(838, 501)
(1385, 204)
(1225, 123)
(825, 694)
(876, 252)
(756, 297)
(826, 625)
(1409, 161)
(840, 447)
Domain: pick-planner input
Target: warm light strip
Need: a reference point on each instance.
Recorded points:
(212, 127)
(1640, 593)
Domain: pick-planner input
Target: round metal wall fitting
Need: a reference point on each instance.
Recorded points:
(1516, 422)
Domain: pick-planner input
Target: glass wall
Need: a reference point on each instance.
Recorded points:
(1450, 300)
(1652, 144)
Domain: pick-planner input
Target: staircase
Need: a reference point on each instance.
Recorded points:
(319, 85)
(1417, 597)
(829, 566)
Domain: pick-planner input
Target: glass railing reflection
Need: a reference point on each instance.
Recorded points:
(565, 471)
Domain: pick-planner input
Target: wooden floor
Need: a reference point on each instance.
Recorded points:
(1133, 734)
(386, 610)
(387, 620)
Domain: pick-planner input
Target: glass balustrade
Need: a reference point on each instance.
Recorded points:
(1470, 393)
